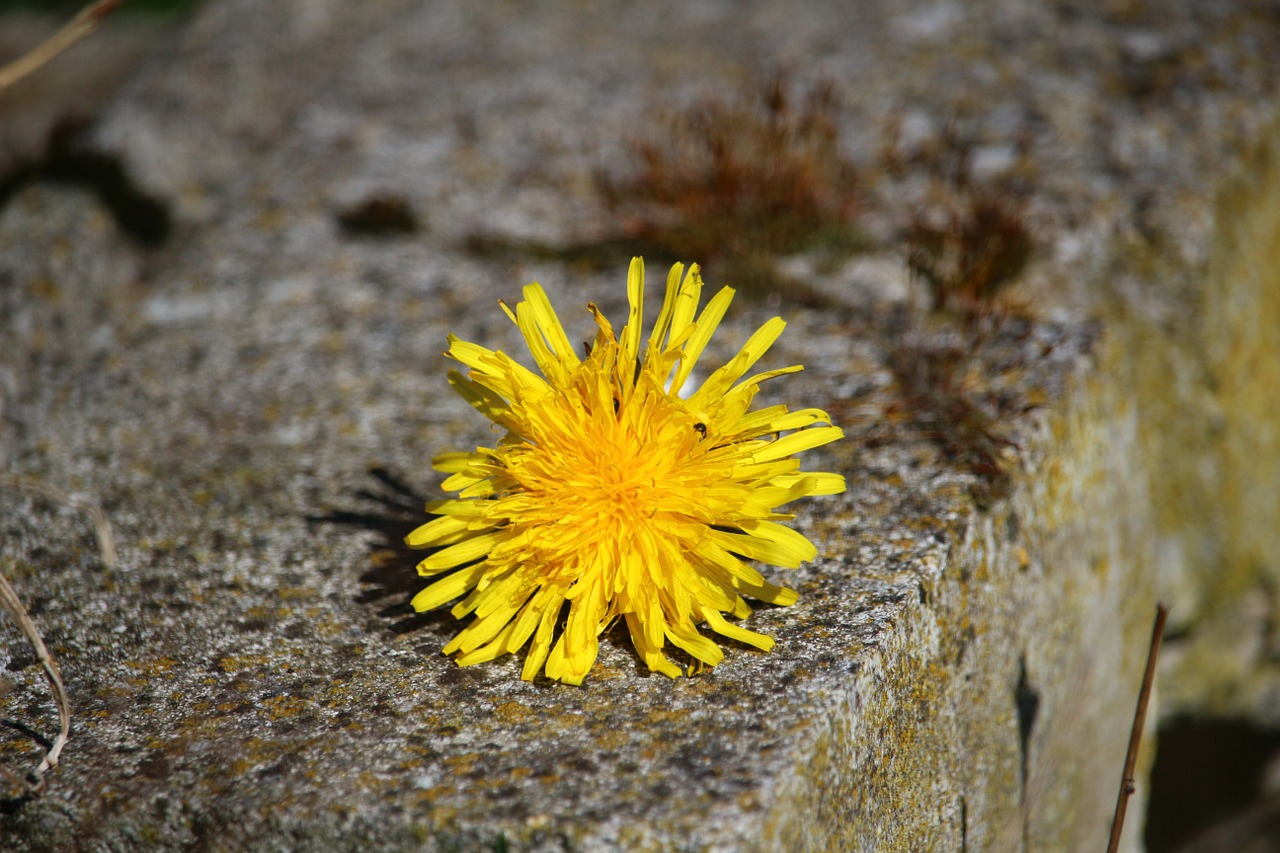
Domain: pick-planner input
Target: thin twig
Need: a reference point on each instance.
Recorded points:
(84, 23)
(1127, 784)
(9, 599)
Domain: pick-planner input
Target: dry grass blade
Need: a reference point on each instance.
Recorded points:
(9, 599)
(13, 605)
(83, 24)
(101, 526)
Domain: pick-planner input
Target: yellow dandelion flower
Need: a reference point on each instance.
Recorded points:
(617, 490)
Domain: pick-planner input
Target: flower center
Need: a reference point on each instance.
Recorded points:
(607, 473)
(617, 478)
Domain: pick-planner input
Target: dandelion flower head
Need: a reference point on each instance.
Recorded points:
(618, 491)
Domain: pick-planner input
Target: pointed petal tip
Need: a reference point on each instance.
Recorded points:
(785, 598)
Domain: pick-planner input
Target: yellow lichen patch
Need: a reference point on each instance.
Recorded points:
(153, 666)
(612, 738)
(283, 707)
(661, 716)
(239, 663)
(14, 747)
(441, 815)
(461, 765)
(112, 692)
(435, 792)
(510, 713)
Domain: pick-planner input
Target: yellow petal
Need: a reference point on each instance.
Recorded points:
(810, 483)
(484, 400)
(541, 645)
(482, 629)
(650, 654)
(770, 420)
(449, 588)
(667, 314)
(629, 344)
(460, 509)
(786, 551)
(458, 462)
(797, 442)
(723, 378)
(684, 306)
(456, 555)
(443, 531)
(484, 654)
(707, 323)
(698, 646)
(725, 628)
(532, 613)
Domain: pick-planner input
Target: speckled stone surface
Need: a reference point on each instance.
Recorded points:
(254, 404)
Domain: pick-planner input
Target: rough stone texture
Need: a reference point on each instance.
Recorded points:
(957, 673)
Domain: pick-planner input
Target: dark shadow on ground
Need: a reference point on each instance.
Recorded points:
(391, 509)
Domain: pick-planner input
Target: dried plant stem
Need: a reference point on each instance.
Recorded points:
(13, 605)
(84, 23)
(1127, 783)
(9, 599)
(101, 526)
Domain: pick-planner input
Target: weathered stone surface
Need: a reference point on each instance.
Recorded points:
(954, 676)
(1223, 525)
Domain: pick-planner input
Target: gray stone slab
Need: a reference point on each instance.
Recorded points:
(254, 405)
